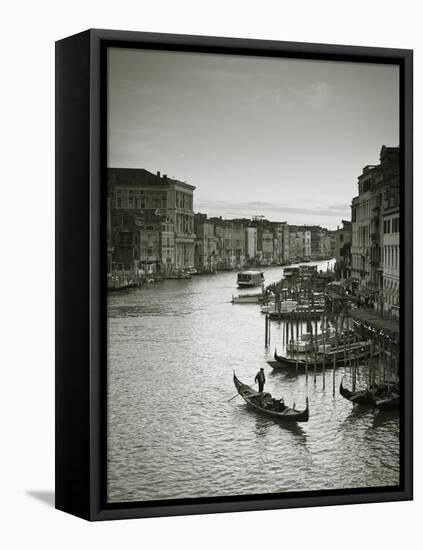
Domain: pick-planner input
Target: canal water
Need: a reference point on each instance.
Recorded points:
(172, 433)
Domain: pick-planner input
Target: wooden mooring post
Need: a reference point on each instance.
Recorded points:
(266, 330)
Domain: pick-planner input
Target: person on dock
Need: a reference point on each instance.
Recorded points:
(261, 379)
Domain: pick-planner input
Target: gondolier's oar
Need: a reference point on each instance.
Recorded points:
(255, 383)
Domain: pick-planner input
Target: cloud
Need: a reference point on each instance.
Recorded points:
(257, 207)
(339, 206)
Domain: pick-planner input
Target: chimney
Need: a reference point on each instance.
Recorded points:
(158, 174)
(165, 177)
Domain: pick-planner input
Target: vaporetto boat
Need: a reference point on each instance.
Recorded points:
(247, 279)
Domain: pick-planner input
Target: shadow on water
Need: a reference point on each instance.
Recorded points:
(357, 412)
(287, 373)
(264, 424)
(383, 417)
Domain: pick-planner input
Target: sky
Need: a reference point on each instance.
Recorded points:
(282, 138)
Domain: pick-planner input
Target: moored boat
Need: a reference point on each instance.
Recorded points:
(248, 298)
(263, 402)
(388, 403)
(386, 396)
(177, 274)
(342, 357)
(361, 397)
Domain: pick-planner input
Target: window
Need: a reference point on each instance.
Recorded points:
(395, 225)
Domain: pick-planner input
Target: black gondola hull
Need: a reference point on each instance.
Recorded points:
(290, 415)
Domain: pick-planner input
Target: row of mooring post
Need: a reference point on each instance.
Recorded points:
(376, 363)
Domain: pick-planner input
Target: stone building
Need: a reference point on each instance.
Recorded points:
(391, 255)
(251, 244)
(300, 244)
(343, 250)
(367, 210)
(206, 243)
(138, 190)
(281, 242)
(267, 246)
(286, 254)
(136, 241)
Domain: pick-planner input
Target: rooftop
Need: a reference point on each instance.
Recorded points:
(140, 176)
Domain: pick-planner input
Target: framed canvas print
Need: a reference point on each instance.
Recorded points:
(234, 274)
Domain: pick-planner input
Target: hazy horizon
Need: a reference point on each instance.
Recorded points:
(281, 138)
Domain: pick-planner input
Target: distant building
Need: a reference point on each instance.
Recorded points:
(206, 243)
(267, 246)
(230, 243)
(343, 239)
(286, 254)
(138, 190)
(300, 244)
(251, 244)
(331, 244)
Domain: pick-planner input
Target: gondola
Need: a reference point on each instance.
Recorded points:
(282, 362)
(273, 408)
(363, 397)
(388, 404)
(386, 398)
(379, 396)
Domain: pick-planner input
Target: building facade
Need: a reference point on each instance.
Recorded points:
(138, 190)
(375, 184)
(343, 240)
(391, 256)
(206, 243)
(251, 244)
(300, 244)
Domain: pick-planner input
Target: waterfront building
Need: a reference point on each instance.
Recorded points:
(280, 242)
(286, 255)
(267, 246)
(206, 243)
(375, 184)
(319, 243)
(139, 190)
(343, 239)
(391, 255)
(136, 240)
(331, 244)
(230, 243)
(251, 244)
(300, 244)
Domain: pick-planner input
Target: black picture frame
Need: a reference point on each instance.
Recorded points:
(80, 274)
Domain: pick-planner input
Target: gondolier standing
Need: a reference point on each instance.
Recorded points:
(261, 379)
